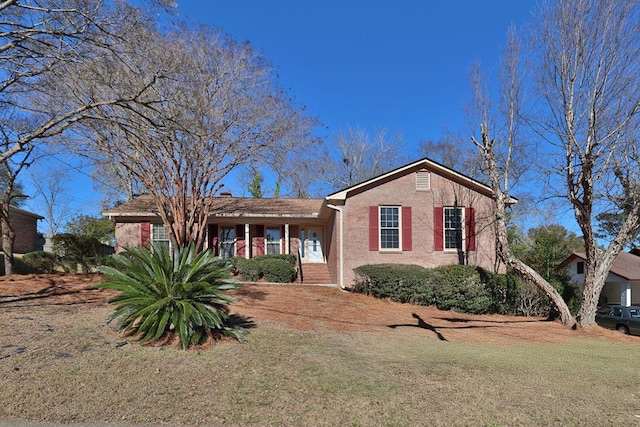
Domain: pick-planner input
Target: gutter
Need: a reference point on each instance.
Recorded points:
(341, 249)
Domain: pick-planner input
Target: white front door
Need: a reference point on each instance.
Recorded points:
(311, 244)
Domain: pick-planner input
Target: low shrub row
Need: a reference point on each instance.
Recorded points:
(271, 268)
(70, 254)
(463, 288)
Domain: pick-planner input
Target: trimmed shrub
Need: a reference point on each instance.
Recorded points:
(291, 259)
(277, 270)
(462, 288)
(249, 269)
(400, 282)
(37, 262)
(273, 268)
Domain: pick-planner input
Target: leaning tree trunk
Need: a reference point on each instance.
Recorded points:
(530, 275)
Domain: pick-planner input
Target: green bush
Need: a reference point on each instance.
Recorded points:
(462, 288)
(400, 282)
(459, 288)
(249, 269)
(161, 295)
(277, 270)
(291, 259)
(73, 251)
(37, 262)
(273, 268)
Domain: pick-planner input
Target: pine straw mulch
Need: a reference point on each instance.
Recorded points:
(310, 308)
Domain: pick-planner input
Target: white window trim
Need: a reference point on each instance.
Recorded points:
(153, 236)
(221, 241)
(399, 248)
(463, 225)
(266, 241)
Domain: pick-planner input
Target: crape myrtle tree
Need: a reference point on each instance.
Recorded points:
(499, 137)
(37, 39)
(208, 105)
(588, 60)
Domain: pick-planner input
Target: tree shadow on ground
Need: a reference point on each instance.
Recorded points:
(422, 325)
(459, 320)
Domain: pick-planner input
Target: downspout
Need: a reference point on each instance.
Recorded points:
(341, 247)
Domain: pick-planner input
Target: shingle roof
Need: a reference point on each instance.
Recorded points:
(626, 265)
(230, 206)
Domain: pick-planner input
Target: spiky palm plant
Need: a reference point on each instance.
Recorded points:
(160, 294)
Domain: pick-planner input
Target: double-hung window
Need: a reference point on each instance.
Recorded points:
(274, 236)
(159, 236)
(227, 242)
(389, 227)
(453, 228)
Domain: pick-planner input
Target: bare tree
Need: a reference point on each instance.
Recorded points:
(447, 151)
(589, 56)
(208, 105)
(499, 140)
(38, 39)
(50, 185)
(357, 156)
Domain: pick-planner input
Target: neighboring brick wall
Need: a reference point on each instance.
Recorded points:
(26, 229)
(402, 192)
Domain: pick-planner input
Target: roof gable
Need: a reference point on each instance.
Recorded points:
(626, 265)
(425, 163)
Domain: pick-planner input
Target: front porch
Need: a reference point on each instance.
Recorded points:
(250, 240)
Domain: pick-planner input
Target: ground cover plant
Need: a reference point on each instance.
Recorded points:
(317, 356)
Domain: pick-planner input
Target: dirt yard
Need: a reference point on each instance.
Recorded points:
(310, 308)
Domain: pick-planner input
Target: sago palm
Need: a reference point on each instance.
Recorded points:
(160, 294)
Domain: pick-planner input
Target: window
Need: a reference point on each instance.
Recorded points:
(580, 267)
(159, 236)
(453, 221)
(273, 240)
(389, 227)
(227, 242)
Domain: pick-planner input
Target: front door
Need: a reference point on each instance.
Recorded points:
(311, 238)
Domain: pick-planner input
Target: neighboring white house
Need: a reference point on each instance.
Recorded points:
(623, 282)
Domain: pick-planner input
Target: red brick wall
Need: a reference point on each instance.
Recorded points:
(402, 192)
(26, 229)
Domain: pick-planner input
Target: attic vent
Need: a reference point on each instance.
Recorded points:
(423, 180)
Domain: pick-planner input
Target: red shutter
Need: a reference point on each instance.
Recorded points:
(259, 240)
(438, 228)
(406, 229)
(470, 228)
(145, 233)
(373, 228)
(240, 244)
(213, 239)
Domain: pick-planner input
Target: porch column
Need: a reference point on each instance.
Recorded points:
(286, 238)
(625, 294)
(247, 242)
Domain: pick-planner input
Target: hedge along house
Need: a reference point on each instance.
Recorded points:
(422, 213)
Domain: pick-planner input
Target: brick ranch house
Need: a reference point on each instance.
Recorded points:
(421, 213)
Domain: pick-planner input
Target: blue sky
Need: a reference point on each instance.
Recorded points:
(401, 65)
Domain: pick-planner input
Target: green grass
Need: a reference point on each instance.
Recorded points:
(73, 372)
